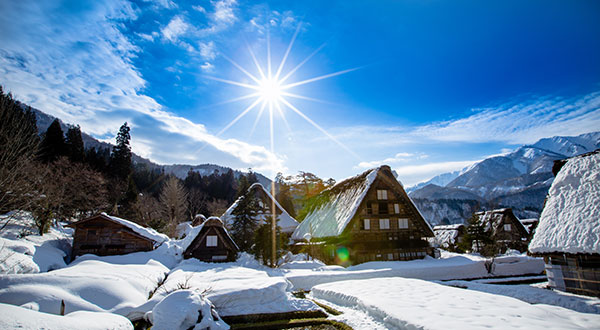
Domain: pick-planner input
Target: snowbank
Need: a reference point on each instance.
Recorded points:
(453, 266)
(535, 295)
(184, 309)
(22, 251)
(402, 303)
(89, 285)
(569, 220)
(14, 317)
(233, 289)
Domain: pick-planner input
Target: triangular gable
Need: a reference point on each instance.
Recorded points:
(200, 233)
(340, 203)
(495, 219)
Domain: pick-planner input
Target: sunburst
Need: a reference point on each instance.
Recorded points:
(271, 90)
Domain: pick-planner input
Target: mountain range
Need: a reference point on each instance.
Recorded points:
(519, 179)
(180, 170)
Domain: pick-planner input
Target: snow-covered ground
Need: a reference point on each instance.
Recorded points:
(23, 251)
(401, 303)
(450, 266)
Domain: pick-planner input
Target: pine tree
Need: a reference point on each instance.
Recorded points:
(53, 143)
(74, 143)
(245, 222)
(262, 244)
(120, 159)
(476, 237)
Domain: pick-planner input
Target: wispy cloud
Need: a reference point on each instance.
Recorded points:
(76, 64)
(398, 158)
(413, 174)
(176, 27)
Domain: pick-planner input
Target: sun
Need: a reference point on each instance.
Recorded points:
(272, 90)
(269, 90)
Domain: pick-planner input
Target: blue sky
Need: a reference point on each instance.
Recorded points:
(437, 85)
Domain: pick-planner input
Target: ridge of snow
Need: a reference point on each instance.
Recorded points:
(569, 220)
(143, 231)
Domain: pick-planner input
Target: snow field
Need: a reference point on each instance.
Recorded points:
(15, 317)
(401, 303)
(182, 310)
(452, 266)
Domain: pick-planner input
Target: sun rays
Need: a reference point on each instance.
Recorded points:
(270, 88)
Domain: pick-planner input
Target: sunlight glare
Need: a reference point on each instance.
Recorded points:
(269, 89)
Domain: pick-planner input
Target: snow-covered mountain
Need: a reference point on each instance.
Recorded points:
(519, 179)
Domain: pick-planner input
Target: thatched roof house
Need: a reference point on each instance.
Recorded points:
(210, 242)
(449, 236)
(367, 217)
(506, 229)
(568, 235)
(284, 220)
(103, 235)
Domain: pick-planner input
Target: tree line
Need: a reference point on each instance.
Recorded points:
(54, 176)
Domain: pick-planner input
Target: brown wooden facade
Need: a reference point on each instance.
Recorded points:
(386, 226)
(212, 244)
(102, 236)
(575, 273)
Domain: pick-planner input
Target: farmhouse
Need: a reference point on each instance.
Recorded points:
(210, 242)
(364, 218)
(265, 202)
(506, 229)
(103, 235)
(449, 236)
(531, 224)
(568, 234)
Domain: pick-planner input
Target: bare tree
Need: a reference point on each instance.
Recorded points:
(173, 200)
(148, 212)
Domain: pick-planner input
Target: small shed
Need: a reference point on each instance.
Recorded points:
(506, 229)
(568, 235)
(210, 242)
(104, 235)
(449, 236)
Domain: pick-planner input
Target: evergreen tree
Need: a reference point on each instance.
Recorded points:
(283, 196)
(120, 159)
(245, 222)
(477, 237)
(262, 244)
(53, 143)
(74, 143)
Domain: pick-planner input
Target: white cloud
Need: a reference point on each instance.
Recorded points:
(207, 67)
(208, 50)
(413, 174)
(78, 66)
(176, 27)
(398, 158)
(168, 4)
(199, 8)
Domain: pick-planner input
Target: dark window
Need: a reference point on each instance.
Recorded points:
(383, 208)
(369, 208)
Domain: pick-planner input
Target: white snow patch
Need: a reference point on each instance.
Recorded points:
(402, 303)
(15, 317)
(143, 231)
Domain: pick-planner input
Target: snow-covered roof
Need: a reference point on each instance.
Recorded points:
(570, 221)
(195, 231)
(492, 219)
(339, 205)
(446, 235)
(286, 222)
(148, 233)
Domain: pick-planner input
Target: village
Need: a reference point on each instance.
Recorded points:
(302, 165)
(364, 240)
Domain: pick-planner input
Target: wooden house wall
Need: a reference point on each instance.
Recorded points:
(103, 237)
(386, 244)
(516, 238)
(575, 273)
(224, 251)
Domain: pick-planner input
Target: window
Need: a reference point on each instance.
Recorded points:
(383, 208)
(382, 194)
(384, 223)
(402, 223)
(367, 224)
(369, 208)
(219, 257)
(390, 256)
(211, 240)
(397, 208)
(507, 227)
